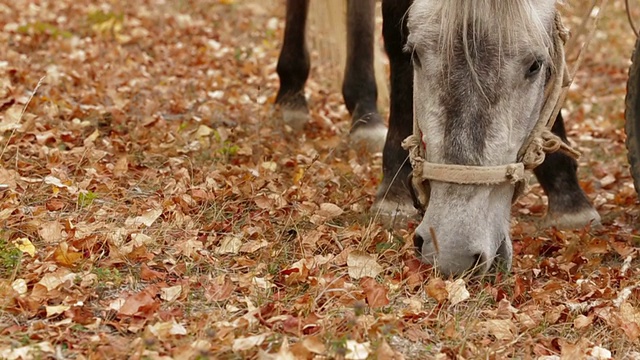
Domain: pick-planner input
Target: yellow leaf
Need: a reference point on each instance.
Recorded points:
(298, 175)
(24, 245)
(64, 257)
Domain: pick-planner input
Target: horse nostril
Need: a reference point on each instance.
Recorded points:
(480, 261)
(418, 241)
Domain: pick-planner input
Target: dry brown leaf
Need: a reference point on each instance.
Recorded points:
(220, 290)
(121, 166)
(146, 219)
(437, 289)
(51, 231)
(134, 304)
(246, 343)
(53, 280)
(376, 293)
(148, 274)
(501, 329)
(314, 344)
(329, 211)
(66, 257)
(581, 321)
(229, 245)
(385, 352)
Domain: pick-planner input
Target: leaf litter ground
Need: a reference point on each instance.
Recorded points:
(153, 205)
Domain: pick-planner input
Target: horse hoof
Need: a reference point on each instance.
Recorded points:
(372, 137)
(296, 118)
(573, 220)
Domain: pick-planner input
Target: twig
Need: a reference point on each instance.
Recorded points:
(434, 240)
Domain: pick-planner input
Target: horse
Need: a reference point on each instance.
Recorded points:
(467, 80)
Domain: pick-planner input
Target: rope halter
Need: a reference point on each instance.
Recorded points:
(532, 153)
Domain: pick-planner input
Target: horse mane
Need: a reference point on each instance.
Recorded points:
(508, 20)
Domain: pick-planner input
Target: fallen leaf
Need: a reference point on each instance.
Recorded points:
(329, 211)
(600, 353)
(247, 343)
(19, 286)
(220, 290)
(253, 246)
(134, 303)
(66, 257)
(203, 130)
(357, 351)
(51, 231)
(437, 289)
(376, 293)
(148, 274)
(25, 245)
(361, 264)
(229, 245)
(147, 219)
(165, 330)
(457, 291)
(314, 344)
(384, 351)
(581, 321)
(36, 350)
(53, 280)
(56, 310)
(501, 329)
(121, 166)
(171, 293)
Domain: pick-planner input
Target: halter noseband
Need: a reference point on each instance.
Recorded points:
(532, 153)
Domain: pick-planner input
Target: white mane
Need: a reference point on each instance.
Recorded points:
(518, 24)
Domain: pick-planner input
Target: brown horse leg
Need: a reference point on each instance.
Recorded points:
(569, 207)
(293, 66)
(393, 195)
(359, 86)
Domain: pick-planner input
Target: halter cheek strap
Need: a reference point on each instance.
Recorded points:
(532, 153)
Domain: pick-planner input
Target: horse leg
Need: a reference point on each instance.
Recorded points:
(293, 66)
(568, 204)
(359, 85)
(393, 195)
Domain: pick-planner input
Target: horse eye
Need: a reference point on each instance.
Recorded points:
(534, 69)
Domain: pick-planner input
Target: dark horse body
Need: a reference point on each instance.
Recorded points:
(568, 205)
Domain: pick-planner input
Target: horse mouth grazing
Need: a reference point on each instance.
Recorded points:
(482, 264)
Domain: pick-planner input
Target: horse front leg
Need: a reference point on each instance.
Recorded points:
(359, 86)
(293, 66)
(393, 196)
(569, 206)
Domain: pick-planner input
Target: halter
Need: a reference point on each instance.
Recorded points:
(532, 153)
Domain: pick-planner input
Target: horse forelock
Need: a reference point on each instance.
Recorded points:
(519, 25)
(479, 42)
